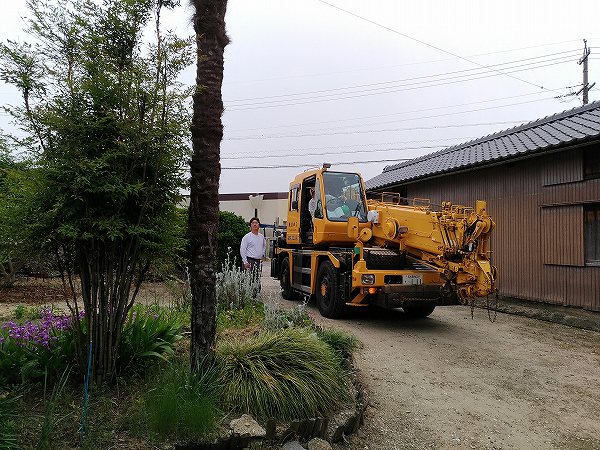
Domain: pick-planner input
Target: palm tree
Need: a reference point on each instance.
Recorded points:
(207, 132)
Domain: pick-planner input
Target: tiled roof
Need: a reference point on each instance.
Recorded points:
(573, 126)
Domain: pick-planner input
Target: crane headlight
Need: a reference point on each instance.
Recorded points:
(367, 278)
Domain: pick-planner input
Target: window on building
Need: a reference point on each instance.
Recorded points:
(591, 163)
(592, 235)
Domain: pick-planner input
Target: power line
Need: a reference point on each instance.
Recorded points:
(287, 166)
(427, 44)
(370, 69)
(394, 114)
(411, 87)
(245, 138)
(383, 150)
(334, 147)
(241, 138)
(571, 52)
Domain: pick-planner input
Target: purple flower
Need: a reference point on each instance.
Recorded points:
(41, 333)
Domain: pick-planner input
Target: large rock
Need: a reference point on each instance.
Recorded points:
(318, 444)
(292, 445)
(246, 425)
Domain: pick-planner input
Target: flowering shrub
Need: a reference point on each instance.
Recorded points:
(40, 349)
(33, 350)
(42, 333)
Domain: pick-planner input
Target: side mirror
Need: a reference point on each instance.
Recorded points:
(353, 227)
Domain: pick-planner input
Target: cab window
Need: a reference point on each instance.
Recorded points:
(294, 195)
(344, 196)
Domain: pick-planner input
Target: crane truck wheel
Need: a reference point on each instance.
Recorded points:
(418, 312)
(284, 280)
(328, 301)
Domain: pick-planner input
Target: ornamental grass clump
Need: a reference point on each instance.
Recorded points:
(8, 426)
(341, 343)
(289, 374)
(180, 404)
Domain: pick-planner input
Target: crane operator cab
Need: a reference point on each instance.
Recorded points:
(320, 204)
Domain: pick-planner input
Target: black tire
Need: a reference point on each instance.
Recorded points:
(284, 280)
(328, 302)
(418, 311)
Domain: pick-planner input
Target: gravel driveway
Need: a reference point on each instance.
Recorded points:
(450, 381)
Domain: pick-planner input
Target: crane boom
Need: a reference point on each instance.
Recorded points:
(454, 239)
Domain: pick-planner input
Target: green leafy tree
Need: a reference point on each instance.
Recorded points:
(232, 229)
(17, 205)
(109, 122)
(205, 168)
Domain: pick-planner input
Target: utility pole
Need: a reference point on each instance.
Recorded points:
(584, 60)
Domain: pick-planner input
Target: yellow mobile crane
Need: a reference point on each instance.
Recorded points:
(346, 251)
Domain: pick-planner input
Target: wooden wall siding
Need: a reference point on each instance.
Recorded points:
(562, 237)
(519, 202)
(587, 191)
(567, 168)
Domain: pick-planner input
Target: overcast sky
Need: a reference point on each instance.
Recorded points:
(365, 84)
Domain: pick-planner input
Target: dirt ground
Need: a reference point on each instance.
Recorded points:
(452, 382)
(49, 291)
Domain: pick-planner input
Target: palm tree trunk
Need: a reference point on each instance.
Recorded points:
(207, 132)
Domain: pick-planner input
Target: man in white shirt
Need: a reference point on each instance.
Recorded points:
(252, 250)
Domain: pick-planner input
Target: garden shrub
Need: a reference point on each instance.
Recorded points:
(232, 229)
(235, 287)
(289, 374)
(26, 312)
(150, 332)
(279, 319)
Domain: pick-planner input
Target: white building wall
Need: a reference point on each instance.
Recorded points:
(270, 211)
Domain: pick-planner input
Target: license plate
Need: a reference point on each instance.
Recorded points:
(412, 279)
